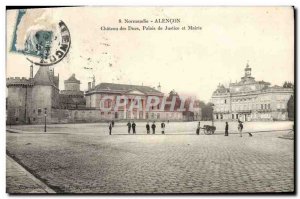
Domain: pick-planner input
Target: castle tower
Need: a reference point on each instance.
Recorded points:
(18, 100)
(72, 84)
(45, 94)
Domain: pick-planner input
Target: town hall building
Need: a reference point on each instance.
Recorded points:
(251, 100)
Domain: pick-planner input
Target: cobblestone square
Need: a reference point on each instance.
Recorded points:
(83, 158)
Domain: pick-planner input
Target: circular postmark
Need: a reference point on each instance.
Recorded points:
(52, 46)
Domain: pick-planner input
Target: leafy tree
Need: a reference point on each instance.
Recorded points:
(288, 85)
(291, 108)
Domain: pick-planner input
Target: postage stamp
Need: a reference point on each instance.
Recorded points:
(44, 42)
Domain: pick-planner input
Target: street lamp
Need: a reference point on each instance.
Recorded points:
(45, 129)
(212, 122)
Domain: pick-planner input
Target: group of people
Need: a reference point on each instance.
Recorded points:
(132, 125)
(240, 128)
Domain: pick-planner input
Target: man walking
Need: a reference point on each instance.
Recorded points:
(153, 126)
(240, 127)
(133, 127)
(162, 125)
(198, 129)
(226, 129)
(109, 127)
(129, 127)
(148, 128)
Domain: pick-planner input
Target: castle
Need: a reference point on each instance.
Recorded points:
(32, 100)
(39, 99)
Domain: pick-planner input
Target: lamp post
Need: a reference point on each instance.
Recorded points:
(212, 122)
(45, 129)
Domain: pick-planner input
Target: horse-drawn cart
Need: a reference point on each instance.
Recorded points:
(209, 129)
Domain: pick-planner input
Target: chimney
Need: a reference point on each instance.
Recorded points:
(31, 71)
(89, 86)
(93, 84)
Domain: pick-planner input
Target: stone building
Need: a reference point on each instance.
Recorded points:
(36, 99)
(28, 99)
(72, 97)
(251, 100)
(95, 94)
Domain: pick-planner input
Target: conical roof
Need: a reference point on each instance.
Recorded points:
(43, 76)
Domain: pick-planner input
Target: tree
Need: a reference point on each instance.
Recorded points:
(288, 85)
(207, 111)
(291, 108)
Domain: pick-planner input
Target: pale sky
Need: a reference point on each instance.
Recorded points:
(191, 62)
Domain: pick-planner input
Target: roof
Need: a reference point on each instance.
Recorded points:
(72, 79)
(221, 89)
(122, 88)
(43, 77)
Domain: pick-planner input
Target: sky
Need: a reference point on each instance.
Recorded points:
(191, 62)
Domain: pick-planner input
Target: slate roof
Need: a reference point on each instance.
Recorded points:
(43, 77)
(72, 79)
(123, 88)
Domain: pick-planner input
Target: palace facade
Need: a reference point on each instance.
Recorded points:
(95, 94)
(251, 100)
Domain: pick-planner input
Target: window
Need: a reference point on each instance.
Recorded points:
(33, 111)
(39, 111)
(261, 106)
(232, 116)
(265, 106)
(102, 113)
(17, 119)
(237, 116)
(217, 116)
(33, 119)
(221, 116)
(225, 101)
(269, 106)
(116, 115)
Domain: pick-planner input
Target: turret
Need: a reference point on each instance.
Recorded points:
(159, 87)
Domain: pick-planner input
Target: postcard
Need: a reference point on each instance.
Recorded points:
(150, 100)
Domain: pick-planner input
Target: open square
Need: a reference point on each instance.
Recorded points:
(83, 158)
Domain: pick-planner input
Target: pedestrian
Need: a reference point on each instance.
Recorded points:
(148, 128)
(113, 123)
(162, 125)
(240, 127)
(129, 127)
(153, 126)
(133, 127)
(198, 129)
(226, 129)
(109, 127)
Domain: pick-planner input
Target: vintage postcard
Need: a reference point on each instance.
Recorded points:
(150, 100)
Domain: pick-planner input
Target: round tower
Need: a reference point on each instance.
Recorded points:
(18, 100)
